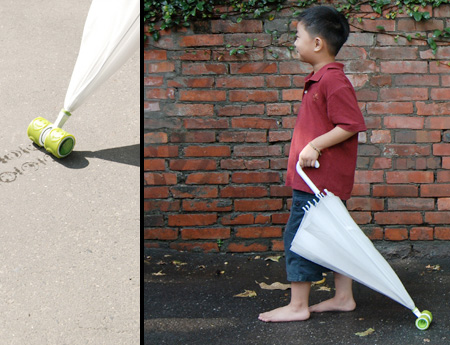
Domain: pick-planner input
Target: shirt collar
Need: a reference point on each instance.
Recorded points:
(319, 74)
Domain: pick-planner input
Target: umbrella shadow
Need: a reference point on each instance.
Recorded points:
(129, 155)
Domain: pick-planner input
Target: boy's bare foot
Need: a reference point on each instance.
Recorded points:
(285, 314)
(334, 304)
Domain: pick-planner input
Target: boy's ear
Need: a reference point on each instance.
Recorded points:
(318, 44)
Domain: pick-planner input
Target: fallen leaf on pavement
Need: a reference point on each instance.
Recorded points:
(160, 273)
(273, 258)
(324, 288)
(274, 286)
(246, 293)
(434, 267)
(178, 263)
(365, 333)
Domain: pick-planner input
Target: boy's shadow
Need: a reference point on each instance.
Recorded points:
(129, 155)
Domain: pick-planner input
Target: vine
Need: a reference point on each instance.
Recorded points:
(168, 14)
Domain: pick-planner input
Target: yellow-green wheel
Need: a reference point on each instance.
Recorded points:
(424, 321)
(35, 129)
(59, 143)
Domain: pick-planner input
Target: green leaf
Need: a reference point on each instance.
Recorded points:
(417, 16)
(380, 27)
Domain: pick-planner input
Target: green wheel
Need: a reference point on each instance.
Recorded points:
(35, 129)
(429, 314)
(59, 143)
(423, 322)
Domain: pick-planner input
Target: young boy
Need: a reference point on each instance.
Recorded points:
(326, 130)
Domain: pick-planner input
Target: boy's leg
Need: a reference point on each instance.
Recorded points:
(343, 299)
(296, 310)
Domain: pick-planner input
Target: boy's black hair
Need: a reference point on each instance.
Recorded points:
(327, 23)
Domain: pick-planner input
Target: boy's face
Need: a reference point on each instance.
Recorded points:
(304, 44)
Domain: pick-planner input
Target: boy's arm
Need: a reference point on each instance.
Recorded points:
(309, 154)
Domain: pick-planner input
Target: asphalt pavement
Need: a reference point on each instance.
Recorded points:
(69, 229)
(190, 298)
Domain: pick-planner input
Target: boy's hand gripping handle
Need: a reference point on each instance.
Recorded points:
(307, 179)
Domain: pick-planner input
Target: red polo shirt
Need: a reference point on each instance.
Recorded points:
(329, 100)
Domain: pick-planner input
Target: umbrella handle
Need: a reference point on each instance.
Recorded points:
(307, 179)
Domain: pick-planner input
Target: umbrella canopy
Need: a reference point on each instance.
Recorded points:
(111, 35)
(329, 237)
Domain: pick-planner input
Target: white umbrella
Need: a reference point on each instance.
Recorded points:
(329, 237)
(111, 35)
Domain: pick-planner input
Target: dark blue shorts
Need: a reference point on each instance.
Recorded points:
(299, 269)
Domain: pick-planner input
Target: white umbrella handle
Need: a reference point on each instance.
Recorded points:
(307, 179)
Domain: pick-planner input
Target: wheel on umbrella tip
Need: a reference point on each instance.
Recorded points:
(36, 128)
(59, 143)
(424, 321)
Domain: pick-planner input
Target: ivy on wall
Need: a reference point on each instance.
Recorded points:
(167, 14)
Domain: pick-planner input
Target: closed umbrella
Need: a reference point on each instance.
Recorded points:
(110, 36)
(329, 237)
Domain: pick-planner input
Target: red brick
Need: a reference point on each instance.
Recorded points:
(398, 218)
(438, 122)
(207, 151)
(227, 26)
(162, 205)
(374, 233)
(442, 233)
(409, 176)
(253, 96)
(257, 151)
(403, 122)
(202, 95)
(407, 150)
(360, 189)
(408, 25)
(255, 177)
(417, 80)
(193, 137)
(278, 81)
(199, 68)
(258, 205)
(192, 164)
(208, 178)
(404, 66)
(365, 204)
(280, 218)
(441, 149)
(390, 108)
(294, 67)
(195, 246)
(160, 178)
(205, 233)
(161, 151)
(292, 95)
(435, 190)
(232, 164)
(160, 93)
(201, 40)
(443, 176)
(244, 247)
(394, 234)
(421, 234)
(153, 220)
(418, 136)
(382, 136)
(156, 192)
(197, 219)
(200, 82)
(253, 68)
(196, 55)
(161, 67)
(243, 192)
(154, 164)
(410, 204)
(164, 234)
(155, 138)
(239, 137)
(241, 219)
(253, 122)
(279, 109)
(205, 124)
(277, 246)
(444, 204)
(240, 82)
(362, 176)
(153, 81)
(435, 109)
(150, 55)
(404, 94)
(258, 232)
(206, 206)
(189, 109)
(194, 192)
(256, 164)
(437, 217)
(361, 217)
(382, 163)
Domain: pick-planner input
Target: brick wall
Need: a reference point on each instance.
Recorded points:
(218, 127)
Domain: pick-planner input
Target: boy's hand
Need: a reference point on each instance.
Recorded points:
(308, 157)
